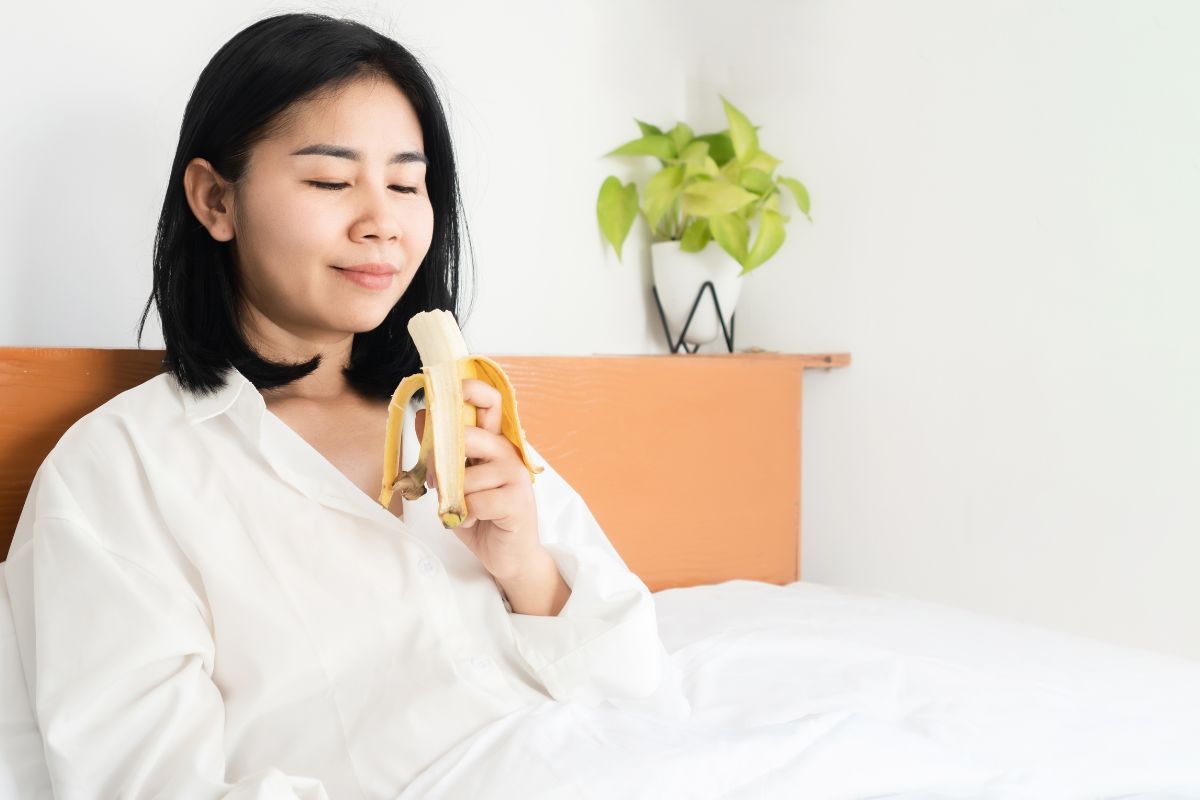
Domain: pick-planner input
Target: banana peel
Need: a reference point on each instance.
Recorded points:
(445, 364)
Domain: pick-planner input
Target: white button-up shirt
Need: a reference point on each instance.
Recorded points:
(206, 607)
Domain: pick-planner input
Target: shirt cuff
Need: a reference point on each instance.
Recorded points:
(603, 647)
(604, 644)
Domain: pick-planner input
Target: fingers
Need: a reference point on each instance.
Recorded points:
(483, 446)
(487, 402)
(483, 449)
(493, 505)
(485, 476)
(486, 398)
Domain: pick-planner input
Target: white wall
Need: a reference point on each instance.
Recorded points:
(1004, 241)
(537, 91)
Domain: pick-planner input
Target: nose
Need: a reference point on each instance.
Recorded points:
(378, 218)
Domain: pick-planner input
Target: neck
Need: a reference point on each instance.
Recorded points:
(325, 384)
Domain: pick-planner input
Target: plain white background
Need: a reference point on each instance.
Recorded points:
(1005, 204)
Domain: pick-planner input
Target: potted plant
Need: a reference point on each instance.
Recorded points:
(711, 187)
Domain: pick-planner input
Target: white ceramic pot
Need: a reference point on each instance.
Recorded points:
(678, 277)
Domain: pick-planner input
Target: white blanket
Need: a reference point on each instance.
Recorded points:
(821, 692)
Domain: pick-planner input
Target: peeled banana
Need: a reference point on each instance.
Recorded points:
(445, 363)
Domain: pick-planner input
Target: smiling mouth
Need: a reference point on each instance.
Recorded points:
(367, 280)
(371, 268)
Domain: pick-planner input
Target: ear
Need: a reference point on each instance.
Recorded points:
(210, 197)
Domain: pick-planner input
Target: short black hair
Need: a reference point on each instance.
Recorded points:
(241, 98)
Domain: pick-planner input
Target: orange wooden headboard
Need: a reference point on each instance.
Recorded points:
(690, 463)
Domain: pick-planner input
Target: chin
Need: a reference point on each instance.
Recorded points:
(362, 323)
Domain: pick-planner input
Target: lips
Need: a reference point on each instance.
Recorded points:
(372, 268)
(368, 278)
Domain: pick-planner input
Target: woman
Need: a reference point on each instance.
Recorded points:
(209, 601)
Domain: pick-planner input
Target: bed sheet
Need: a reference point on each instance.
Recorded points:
(822, 692)
(817, 691)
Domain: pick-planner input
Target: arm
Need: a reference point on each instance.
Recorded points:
(118, 663)
(541, 593)
(602, 646)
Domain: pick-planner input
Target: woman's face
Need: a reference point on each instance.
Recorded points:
(342, 186)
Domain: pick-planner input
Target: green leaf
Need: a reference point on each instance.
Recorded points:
(661, 191)
(772, 201)
(745, 140)
(709, 198)
(732, 171)
(799, 192)
(706, 170)
(764, 161)
(770, 237)
(720, 146)
(756, 181)
(696, 160)
(695, 236)
(616, 209)
(680, 136)
(654, 144)
(695, 152)
(732, 233)
(648, 129)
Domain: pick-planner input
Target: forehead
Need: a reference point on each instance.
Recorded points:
(368, 113)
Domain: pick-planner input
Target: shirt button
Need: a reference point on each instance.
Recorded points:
(426, 565)
(482, 663)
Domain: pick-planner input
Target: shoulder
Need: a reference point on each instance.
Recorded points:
(108, 443)
(142, 410)
(108, 487)
(115, 471)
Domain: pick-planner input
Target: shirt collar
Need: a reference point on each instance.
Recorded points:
(289, 455)
(225, 399)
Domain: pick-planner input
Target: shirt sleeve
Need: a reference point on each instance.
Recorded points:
(118, 662)
(603, 647)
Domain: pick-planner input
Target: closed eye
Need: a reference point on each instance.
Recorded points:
(336, 186)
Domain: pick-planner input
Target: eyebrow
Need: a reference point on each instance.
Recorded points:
(406, 157)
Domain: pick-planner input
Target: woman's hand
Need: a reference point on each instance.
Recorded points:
(501, 527)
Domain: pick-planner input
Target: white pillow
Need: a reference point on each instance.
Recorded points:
(22, 759)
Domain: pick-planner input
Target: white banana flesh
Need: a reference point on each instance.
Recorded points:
(445, 363)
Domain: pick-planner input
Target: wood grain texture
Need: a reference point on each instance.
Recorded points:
(690, 463)
(43, 391)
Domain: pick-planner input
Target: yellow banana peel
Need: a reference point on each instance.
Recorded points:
(445, 363)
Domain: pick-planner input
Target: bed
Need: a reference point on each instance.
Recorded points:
(797, 689)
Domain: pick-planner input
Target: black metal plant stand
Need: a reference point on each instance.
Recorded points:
(726, 332)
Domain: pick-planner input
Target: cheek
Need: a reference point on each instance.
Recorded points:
(292, 225)
(420, 228)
